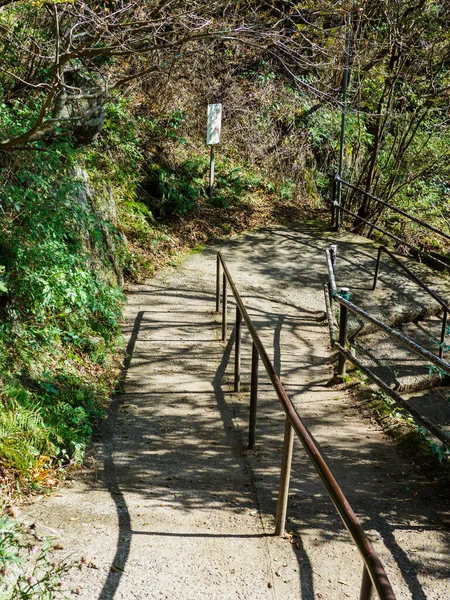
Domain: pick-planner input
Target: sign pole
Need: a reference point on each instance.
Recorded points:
(344, 110)
(211, 173)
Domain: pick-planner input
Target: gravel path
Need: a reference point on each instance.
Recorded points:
(174, 507)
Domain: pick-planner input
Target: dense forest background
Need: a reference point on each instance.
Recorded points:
(104, 166)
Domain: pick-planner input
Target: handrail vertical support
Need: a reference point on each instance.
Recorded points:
(333, 201)
(443, 333)
(377, 268)
(253, 398)
(333, 256)
(224, 308)
(237, 351)
(337, 204)
(285, 478)
(367, 589)
(343, 320)
(218, 284)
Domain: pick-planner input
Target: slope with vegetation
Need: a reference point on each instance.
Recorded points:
(104, 168)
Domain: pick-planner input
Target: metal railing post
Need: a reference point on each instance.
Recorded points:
(333, 256)
(343, 320)
(285, 478)
(337, 205)
(367, 589)
(218, 284)
(377, 268)
(224, 308)
(333, 201)
(443, 333)
(237, 351)
(253, 398)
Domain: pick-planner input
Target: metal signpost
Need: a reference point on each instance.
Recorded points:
(344, 110)
(213, 137)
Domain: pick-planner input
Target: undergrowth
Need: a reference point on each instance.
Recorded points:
(29, 569)
(59, 318)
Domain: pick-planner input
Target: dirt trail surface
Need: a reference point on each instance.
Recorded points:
(174, 507)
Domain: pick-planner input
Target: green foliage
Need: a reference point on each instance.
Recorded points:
(28, 569)
(440, 450)
(172, 190)
(388, 408)
(287, 190)
(231, 185)
(24, 434)
(59, 314)
(165, 125)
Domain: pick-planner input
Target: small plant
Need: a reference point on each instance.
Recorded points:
(440, 451)
(169, 190)
(232, 184)
(28, 569)
(288, 189)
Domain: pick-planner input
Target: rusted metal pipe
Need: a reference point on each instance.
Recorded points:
(253, 398)
(343, 321)
(237, 352)
(395, 237)
(419, 417)
(283, 494)
(333, 256)
(224, 307)
(331, 276)
(377, 269)
(329, 311)
(412, 275)
(333, 202)
(370, 557)
(218, 285)
(443, 333)
(392, 207)
(403, 339)
(367, 589)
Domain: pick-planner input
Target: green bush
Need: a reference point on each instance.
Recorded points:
(59, 314)
(170, 190)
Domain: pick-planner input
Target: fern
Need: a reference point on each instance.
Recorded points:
(24, 435)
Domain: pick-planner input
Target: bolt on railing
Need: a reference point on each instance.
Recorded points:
(374, 578)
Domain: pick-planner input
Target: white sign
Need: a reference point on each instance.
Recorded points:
(214, 124)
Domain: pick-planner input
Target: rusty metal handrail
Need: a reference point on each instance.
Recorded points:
(442, 264)
(374, 576)
(392, 207)
(419, 282)
(338, 208)
(403, 339)
(332, 293)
